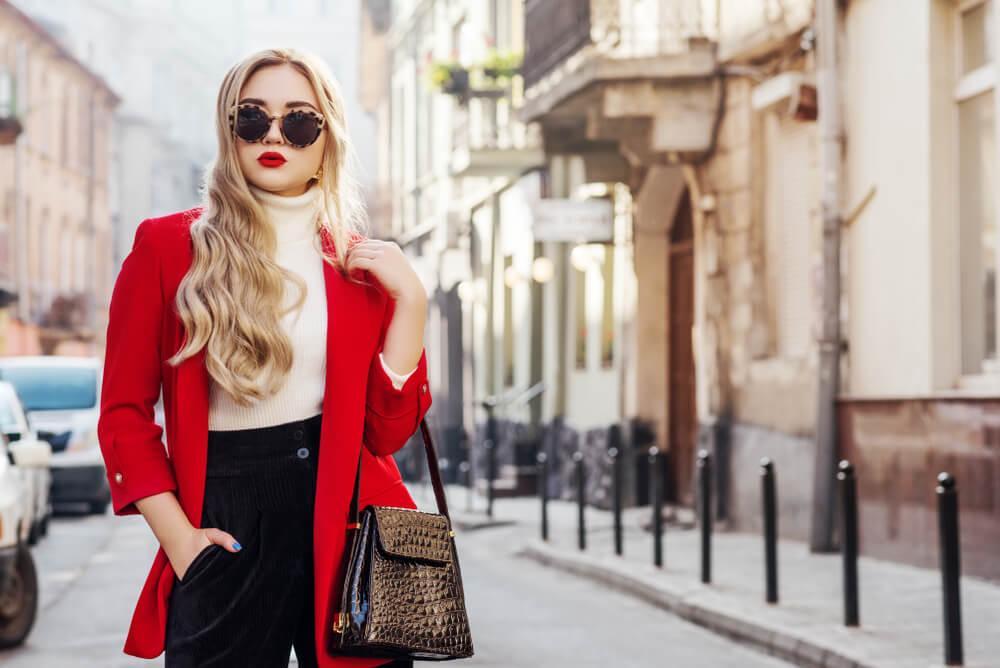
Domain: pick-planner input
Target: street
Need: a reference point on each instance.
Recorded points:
(521, 613)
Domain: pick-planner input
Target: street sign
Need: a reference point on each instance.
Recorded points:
(572, 220)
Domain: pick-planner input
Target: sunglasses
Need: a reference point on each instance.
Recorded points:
(299, 127)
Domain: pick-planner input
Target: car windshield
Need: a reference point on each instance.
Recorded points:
(53, 388)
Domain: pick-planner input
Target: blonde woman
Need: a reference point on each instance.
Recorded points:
(286, 344)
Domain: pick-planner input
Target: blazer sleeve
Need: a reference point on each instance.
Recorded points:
(136, 462)
(392, 415)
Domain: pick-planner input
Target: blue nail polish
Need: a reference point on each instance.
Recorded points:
(237, 546)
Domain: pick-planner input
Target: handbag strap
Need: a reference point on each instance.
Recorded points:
(432, 467)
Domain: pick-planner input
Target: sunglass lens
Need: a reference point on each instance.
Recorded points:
(251, 123)
(301, 128)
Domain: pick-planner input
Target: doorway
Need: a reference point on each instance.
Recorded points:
(681, 408)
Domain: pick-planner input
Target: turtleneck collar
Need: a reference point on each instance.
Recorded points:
(293, 216)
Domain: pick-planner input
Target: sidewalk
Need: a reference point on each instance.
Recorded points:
(901, 605)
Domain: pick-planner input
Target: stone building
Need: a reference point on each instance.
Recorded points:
(659, 267)
(55, 220)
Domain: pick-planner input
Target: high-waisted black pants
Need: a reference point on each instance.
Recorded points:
(249, 608)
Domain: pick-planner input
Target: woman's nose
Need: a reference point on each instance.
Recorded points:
(273, 135)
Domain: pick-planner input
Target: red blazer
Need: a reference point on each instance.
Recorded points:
(361, 406)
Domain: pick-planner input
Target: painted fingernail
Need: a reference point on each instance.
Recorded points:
(237, 546)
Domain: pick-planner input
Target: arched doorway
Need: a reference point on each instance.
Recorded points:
(681, 410)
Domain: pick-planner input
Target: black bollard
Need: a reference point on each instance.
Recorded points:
(951, 571)
(705, 513)
(465, 469)
(656, 498)
(616, 496)
(543, 491)
(581, 499)
(491, 452)
(849, 541)
(770, 529)
(491, 464)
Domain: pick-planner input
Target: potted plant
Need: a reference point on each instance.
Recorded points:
(502, 65)
(449, 77)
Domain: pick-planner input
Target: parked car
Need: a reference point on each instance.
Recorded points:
(61, 395)
(32, 455)
(18, 576)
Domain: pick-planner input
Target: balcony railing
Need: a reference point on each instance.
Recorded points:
(554, 31)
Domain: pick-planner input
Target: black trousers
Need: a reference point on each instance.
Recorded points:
(251, 607)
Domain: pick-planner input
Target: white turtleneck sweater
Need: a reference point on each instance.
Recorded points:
(294, 221)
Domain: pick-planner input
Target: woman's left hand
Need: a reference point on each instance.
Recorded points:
(387, 263)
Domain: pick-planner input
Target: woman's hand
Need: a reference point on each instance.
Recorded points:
(387, 263)
(189, 548)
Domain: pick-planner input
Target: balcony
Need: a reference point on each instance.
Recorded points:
(487, 141)
(640, 75)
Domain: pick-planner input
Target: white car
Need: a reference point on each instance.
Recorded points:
(32, 455)
(18, 577)
(61, 395)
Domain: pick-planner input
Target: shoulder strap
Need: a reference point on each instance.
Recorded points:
(432, 468)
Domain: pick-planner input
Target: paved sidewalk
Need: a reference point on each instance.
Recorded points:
(901, 606)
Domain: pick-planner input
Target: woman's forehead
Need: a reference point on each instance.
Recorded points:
(277, 86)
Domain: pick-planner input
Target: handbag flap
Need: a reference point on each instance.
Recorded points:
(413, 534)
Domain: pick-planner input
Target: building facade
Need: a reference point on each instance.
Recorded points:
(637, 222)
(55, 164)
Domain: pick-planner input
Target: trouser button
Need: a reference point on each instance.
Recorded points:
(303, 453)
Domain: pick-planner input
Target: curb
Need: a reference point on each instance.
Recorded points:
(477, 522)
(784, 643)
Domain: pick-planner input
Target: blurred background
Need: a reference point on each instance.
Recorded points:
(748, 228)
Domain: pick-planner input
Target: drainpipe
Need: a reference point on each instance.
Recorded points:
(830, 131)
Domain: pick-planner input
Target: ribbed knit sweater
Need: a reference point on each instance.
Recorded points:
(294, 221)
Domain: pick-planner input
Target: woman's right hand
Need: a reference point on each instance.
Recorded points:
(184, 553)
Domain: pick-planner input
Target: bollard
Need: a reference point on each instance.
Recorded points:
(849, 542)
(770, 529)
(491, 471)
(465, 469)
(947, 495)
(656, 498)
(616, 496)
(543, 491)
(491, 453)
(580, 500)
(705, 513)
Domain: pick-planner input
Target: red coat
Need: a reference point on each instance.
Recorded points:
(360, 405)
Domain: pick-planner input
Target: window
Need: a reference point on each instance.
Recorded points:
(608, 312)
(508, 322)
(975, 96)
(580, 292)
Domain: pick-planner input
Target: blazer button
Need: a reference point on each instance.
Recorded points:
(423, 388)
(119, 477)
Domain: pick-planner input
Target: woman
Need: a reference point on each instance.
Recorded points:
(286, 345)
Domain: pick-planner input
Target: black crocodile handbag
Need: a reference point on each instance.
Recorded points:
(402, 596)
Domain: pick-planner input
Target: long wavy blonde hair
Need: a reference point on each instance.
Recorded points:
(230, 299)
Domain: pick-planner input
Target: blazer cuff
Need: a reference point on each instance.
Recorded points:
(398, 379)
(387, 401)
(134, 479)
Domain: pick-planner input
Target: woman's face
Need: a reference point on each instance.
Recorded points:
(279, 89)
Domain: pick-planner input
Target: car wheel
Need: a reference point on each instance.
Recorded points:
(19, 600)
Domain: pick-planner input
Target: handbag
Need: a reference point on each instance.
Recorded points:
(402, 596)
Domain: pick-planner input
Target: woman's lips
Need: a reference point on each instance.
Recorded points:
(271, 159)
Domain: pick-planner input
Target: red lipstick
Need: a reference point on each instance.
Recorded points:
(271, 159)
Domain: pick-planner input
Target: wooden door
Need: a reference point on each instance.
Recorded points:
(682, 415)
